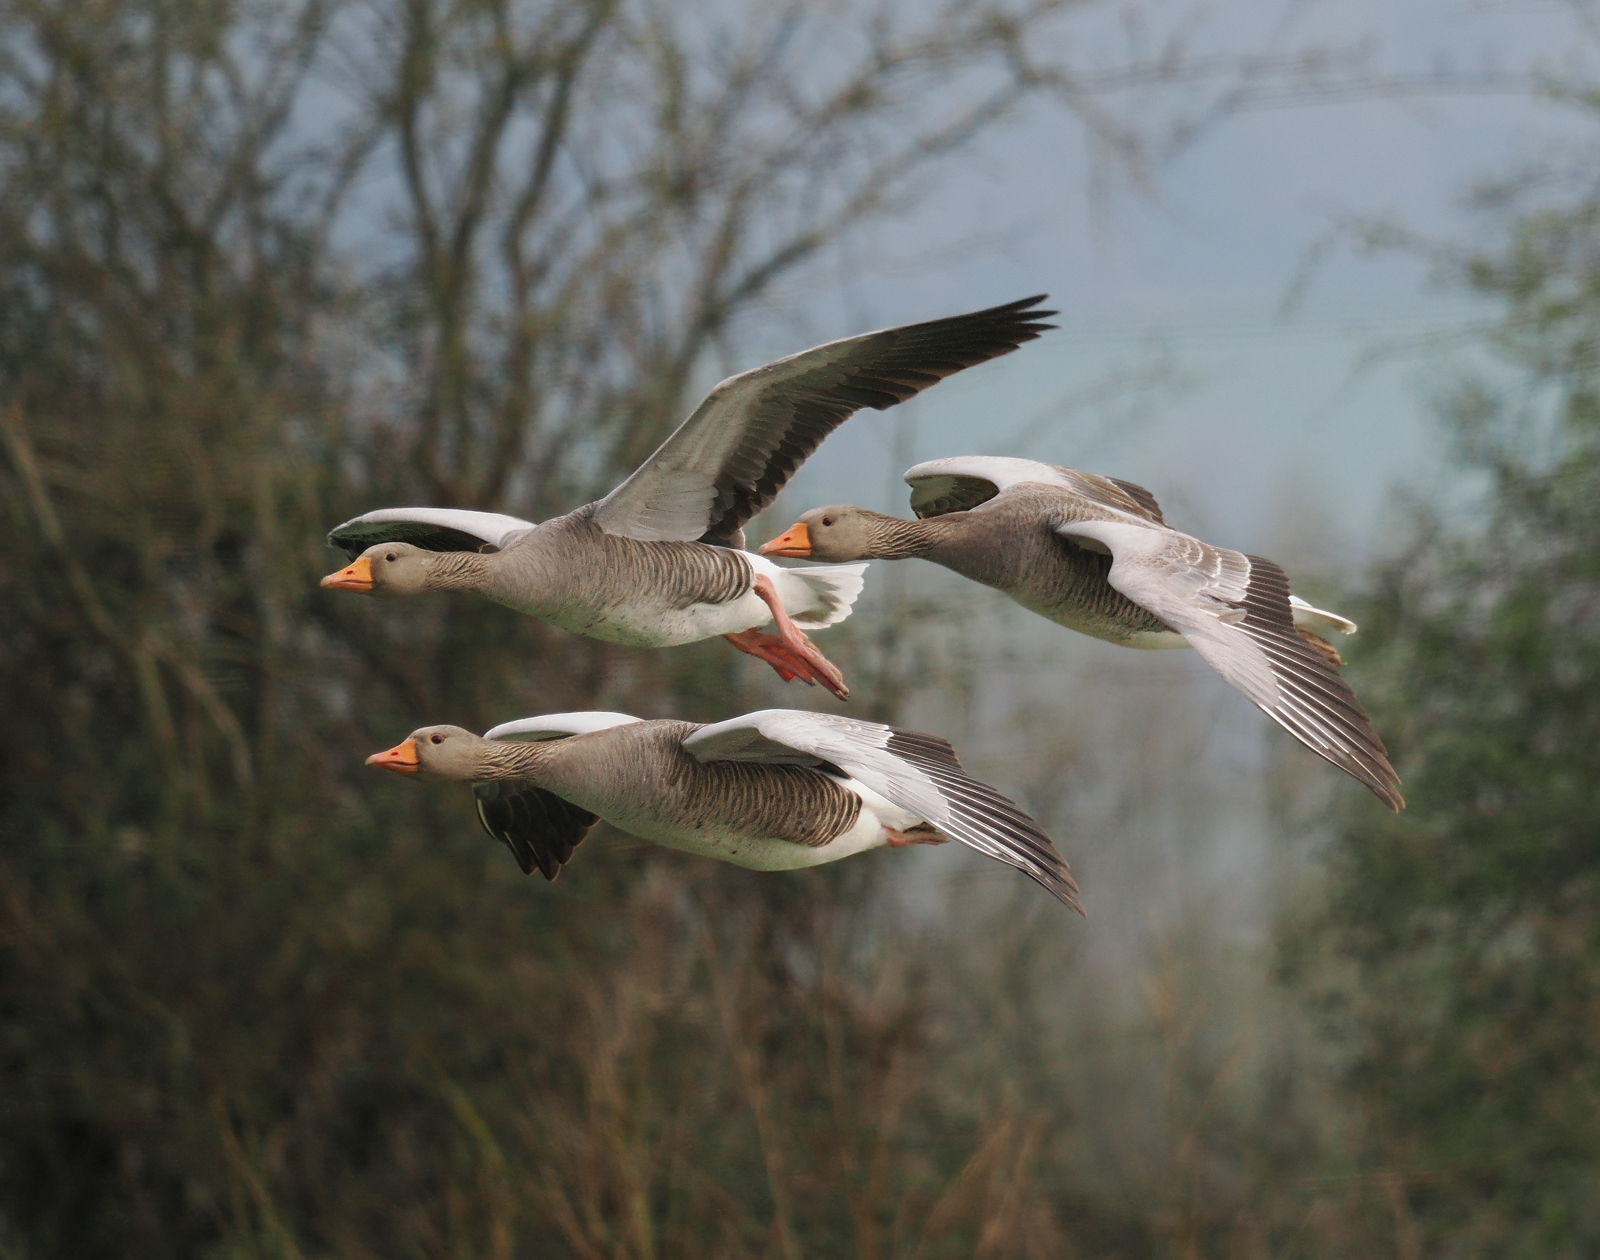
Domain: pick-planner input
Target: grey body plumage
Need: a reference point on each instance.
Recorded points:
(640, 778)
(1037, 567)
(775, 790)
(1096, 555)
(656, 562)
(571, 573)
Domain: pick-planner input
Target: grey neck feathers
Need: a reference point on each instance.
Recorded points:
(894, 539)
(459, 571)
(512, 759)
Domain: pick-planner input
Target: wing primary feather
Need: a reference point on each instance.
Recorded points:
(1146, 501)
(916, 771)
(755, 429)
(540, 828)
(498, 814)
(983, 818)
(1234, 609)
(1326, 715)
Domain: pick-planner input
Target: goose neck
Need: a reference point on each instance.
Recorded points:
(461, 571)
(512, 759)
(895, 539)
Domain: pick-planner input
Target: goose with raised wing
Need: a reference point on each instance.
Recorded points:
(773, 791)
(659, 561)
(1094, 554)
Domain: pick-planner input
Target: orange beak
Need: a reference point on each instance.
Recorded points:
(794, 541)
(356, 577)
(402, 758)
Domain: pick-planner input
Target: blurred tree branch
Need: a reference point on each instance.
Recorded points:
(266, 264)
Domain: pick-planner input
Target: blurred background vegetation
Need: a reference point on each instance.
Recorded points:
(266, 265)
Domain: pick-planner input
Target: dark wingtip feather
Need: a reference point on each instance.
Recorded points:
(877, 370)
(1022, 307)
(1308, 675)
(1006, 315)
(986, 813)
(540, 828)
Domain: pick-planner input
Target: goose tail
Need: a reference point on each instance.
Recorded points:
(1309, 618)
(822, 594)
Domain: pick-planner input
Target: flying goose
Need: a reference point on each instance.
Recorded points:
(1094, 554)
(773, 791)
(659, 561)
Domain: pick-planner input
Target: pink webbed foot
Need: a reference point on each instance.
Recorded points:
(791, 653)
(921, 834)
(810, 668)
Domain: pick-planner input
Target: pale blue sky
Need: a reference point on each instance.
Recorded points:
(1254, 414)
(1285, 436)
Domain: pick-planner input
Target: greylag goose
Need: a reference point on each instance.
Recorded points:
(1093, 554)
(659, 561)
(772, 791)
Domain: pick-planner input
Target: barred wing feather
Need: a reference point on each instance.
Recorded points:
(917, 772)
(1234, 610)
(729, 459)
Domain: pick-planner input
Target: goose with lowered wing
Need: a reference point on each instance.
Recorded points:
(775, 790)
(1094, 554)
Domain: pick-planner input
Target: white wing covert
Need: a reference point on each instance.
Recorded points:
(963, 482)
(432, 529)
(558, 725)
(1234, 610)
(917, 772)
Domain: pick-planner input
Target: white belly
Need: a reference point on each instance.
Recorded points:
(1156, 639)
(706, 621)
(764, 854)
(646, 625)
(645, 621)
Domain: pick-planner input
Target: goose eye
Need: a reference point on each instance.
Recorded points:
(390, 557)
(436, 739)
(827, 520)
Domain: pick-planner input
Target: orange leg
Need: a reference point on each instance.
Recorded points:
(922, 834)
(1321, 647)
(769, 648)
(789, 652)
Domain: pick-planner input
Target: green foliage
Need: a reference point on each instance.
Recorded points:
(1471, 919)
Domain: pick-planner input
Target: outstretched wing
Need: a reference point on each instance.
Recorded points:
(959, 484)
(539, 828)
(729, 459)
(432, 529)
(1234, 609)
(558, 725)
(919, 773)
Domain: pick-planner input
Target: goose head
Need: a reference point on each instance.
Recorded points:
(446, 753)
(835, 533)
(393, 568)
